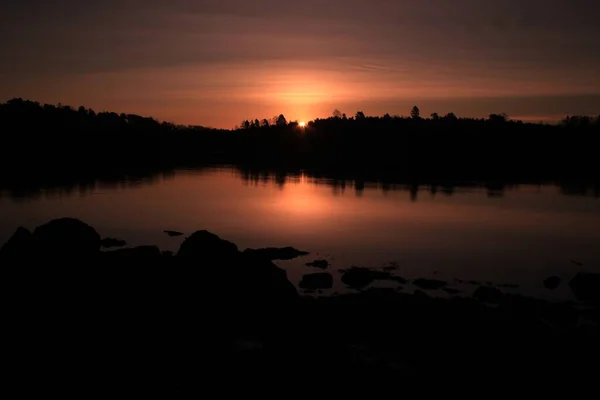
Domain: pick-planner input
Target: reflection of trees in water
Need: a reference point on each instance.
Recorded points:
(339, 183)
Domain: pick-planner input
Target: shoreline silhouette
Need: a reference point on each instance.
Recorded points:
(59, 146)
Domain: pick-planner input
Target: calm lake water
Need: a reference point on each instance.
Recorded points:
(519, 236)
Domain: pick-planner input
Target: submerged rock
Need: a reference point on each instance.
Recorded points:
(278, 253)
(552, 282)
(321, 280)
(322, 264)
(173, 233)
(110, 242)
(586, 287)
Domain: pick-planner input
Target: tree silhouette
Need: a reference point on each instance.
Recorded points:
(498, 118)
(415, 113)
(450, 117)
(360, 115)
(281, 121)
(435, 116)
(336, 113)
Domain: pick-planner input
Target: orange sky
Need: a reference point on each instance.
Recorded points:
(225, 61)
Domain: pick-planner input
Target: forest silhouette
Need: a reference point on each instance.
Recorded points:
(40, 142)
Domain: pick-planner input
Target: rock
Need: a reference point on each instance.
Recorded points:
(109, 242)
(586, 287)
(18, 246)
(322, 264)
(173, 233)
(267, 281)
(140, 251)
(204, 245)
(66, 238)
(321, 280)
(275, 253)
(488, 294)
(451, 290)
(552, 282)
(359, 277)
(429, 284)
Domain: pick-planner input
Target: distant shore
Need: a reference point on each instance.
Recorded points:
(43, 143)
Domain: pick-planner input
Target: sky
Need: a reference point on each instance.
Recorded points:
(218, 62)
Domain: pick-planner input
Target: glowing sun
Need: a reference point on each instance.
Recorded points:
(302, 124)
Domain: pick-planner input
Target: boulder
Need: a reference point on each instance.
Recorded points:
(206, 246)
(66, 238)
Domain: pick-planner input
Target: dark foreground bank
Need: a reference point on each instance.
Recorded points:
(82, 320)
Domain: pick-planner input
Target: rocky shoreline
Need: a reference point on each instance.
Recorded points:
(174, 321)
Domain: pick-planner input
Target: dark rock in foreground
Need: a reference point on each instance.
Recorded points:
(322, 264)
(110, 242)
(275, 253)
(321, 280)
(552, 282)
(586, 287)
(204, 245)
(204, 260)
(182, 324)
(66, 238)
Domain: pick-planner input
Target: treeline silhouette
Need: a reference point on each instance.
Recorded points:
(47, 141)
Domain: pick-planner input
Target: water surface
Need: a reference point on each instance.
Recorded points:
(519, 235)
